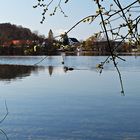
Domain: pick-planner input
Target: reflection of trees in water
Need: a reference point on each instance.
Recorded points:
(14, 72)
(10, 72)
(50, 69)
(59, 70)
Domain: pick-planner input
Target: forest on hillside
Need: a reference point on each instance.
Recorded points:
(10, 32)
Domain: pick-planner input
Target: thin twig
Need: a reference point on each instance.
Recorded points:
(3, 132)
(41, 60)
(5, 114)
(90, 16)
(111, 51)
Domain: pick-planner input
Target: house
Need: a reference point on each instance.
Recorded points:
(17, 43)
(102, 46)
(21, 42)
(73, 41)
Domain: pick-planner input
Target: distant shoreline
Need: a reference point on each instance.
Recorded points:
(93, 53)
(75, 53)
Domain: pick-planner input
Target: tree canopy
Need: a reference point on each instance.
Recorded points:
(10, 32)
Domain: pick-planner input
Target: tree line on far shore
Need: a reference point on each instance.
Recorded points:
(17, 40)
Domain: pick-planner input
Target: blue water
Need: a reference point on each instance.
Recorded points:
(47, 103)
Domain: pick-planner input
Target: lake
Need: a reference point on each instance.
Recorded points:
(47, 102)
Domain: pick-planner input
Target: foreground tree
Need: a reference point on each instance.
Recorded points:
(117, 23)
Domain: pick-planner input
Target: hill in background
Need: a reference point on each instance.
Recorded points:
(10, 32)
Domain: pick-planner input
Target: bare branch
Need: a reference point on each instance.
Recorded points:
(5, 114)
(119, 24)
(3, 132)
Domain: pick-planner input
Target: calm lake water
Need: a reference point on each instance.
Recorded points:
(45, 102)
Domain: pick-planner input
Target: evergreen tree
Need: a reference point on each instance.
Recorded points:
(50, 35)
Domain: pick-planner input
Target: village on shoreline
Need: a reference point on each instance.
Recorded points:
(21, 41)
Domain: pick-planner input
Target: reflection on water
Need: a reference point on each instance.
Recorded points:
(12, 72)
(76, 62)
(70, 101)
(50, 68)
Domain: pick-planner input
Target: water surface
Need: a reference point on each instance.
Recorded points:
(45, 102)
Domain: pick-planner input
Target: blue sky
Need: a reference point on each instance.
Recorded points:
(21, 12)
